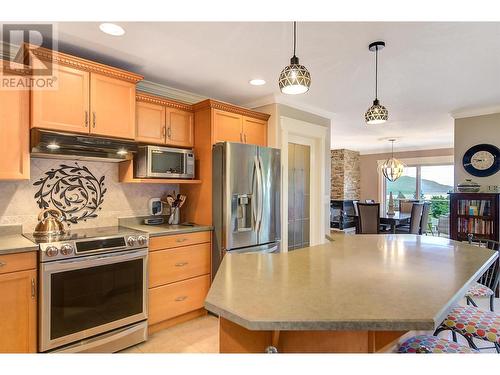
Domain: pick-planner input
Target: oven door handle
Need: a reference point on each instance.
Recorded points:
(94, 260)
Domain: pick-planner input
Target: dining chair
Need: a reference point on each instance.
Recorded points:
(472, 323)
(369, 218)
(488, 282)
(405, 206)
(415, 219)
(432, 344)
(424, 221)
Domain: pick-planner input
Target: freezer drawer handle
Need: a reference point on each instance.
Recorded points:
(181, 264)
(181, 298)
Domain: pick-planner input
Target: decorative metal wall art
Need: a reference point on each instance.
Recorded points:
(72, 189)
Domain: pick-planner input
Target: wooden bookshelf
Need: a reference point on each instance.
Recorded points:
(474, 213)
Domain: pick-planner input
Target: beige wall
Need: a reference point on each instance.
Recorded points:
(471, 131)
(369, 166)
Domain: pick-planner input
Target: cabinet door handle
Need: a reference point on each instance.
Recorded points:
(245, 138)
(241, 137)
(164, 131)
(93, 119)
(169, 132)
(181, 264)
(3, 264)
(33, 289)
(181, 298)
(181, 240)
(86, 119)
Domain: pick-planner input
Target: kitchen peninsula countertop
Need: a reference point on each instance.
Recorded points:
(358, 282)
(162, 229)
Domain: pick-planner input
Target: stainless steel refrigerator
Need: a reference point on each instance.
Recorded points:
(246, 199)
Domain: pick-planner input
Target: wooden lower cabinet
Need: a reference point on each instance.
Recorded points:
(171, 265)
(179, 278)
(171, 300)
(18, 305)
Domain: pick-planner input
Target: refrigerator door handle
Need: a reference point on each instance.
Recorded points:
(254, 192)
(260, 198)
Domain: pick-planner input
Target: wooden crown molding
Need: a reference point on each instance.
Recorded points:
(154, 99)
(18, 69)
(45, 54)
(215, 104)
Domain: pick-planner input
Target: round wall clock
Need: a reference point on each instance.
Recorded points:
(482, 160)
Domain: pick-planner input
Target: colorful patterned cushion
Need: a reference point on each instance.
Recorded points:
(432, 344)
(479, 290)
(472, 322)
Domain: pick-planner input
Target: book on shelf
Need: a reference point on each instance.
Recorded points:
(474, 207)
(476, 226)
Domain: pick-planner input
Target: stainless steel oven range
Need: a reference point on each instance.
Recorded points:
(93, 290)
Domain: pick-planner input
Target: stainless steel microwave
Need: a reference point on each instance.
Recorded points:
(163, 162)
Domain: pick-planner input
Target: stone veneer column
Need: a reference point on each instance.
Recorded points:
(345, 175)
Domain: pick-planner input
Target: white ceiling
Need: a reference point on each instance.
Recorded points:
(426, 72)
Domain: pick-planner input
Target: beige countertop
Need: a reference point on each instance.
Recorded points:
(162, 229)
(15, 243)
(357, 282)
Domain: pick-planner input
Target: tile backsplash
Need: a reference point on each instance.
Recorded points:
(18, 205)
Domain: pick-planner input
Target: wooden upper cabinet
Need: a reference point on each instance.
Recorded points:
(254, 131)
(112, 103)
(18, 308)
(227, 126)
(65, 108)
(180, 130)
(150, 123)
(14, 135)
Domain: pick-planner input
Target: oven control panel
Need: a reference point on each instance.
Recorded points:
(91, 246)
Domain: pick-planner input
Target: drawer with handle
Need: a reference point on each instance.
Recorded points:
(169, 301)
(170, 265)
(17, 262)
(177, 240)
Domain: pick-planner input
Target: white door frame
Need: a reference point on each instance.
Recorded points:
(314, 136)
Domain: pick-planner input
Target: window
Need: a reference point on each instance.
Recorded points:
(423, 182)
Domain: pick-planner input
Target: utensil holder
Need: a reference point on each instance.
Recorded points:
(174, 217)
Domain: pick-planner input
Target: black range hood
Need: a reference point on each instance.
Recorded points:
(56, 145)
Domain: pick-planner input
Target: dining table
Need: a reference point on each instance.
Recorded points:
(395, 219)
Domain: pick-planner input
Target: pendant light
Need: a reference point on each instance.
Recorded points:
(294, 78)
(392, 168)
(377, 113)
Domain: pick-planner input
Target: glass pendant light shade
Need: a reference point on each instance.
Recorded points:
(295, 78)
(392, 168)
(376, 114)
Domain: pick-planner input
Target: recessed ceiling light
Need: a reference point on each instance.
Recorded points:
(257, 82)
(111, 29)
